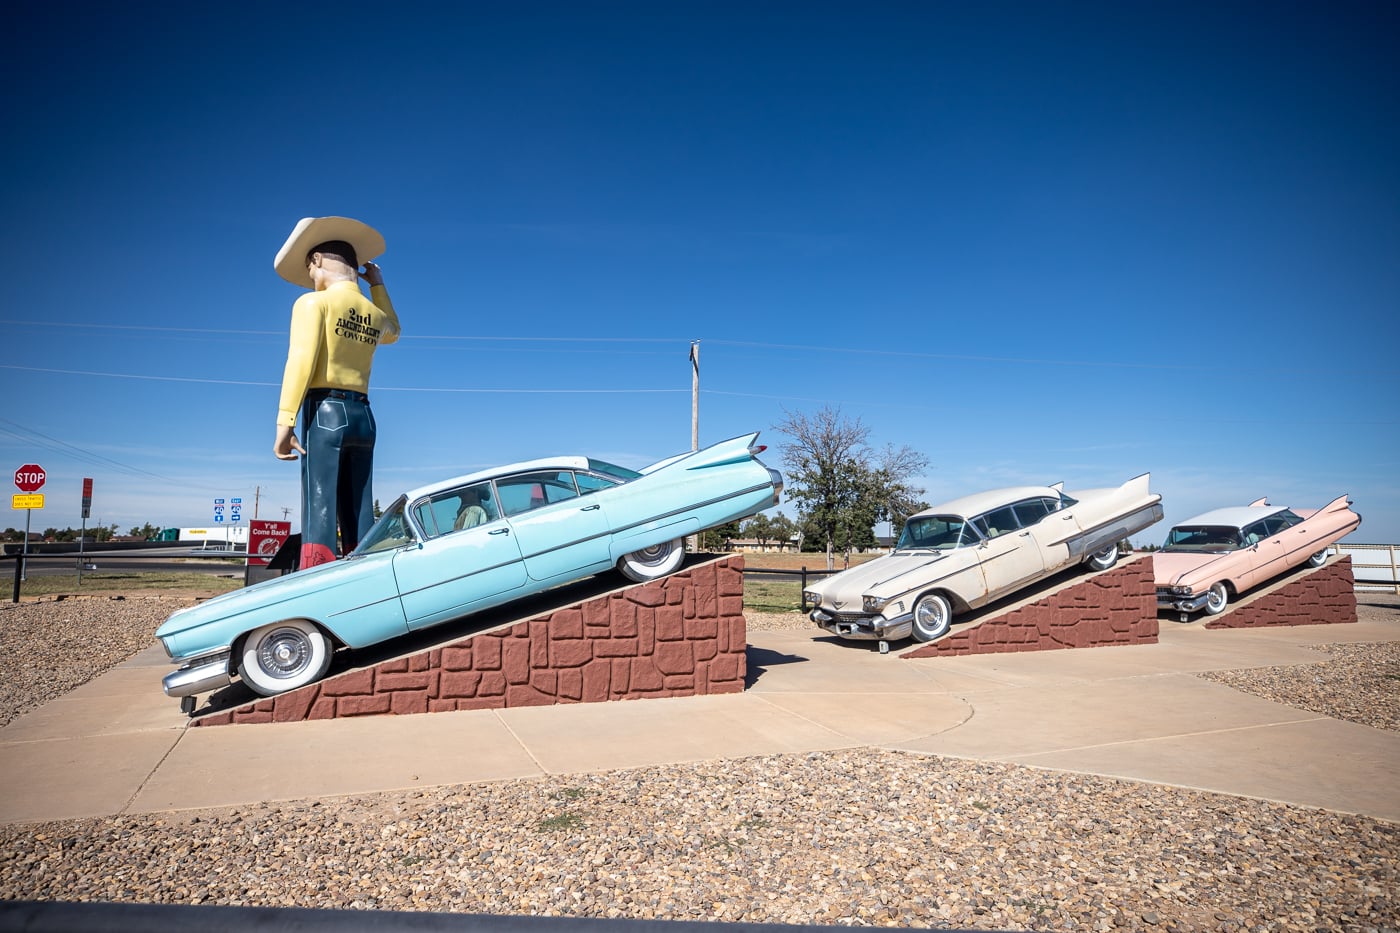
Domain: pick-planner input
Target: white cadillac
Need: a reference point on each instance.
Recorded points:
(968, 552)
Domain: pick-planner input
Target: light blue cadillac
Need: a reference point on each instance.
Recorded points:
(456, 547)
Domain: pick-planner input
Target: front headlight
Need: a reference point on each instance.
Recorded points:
(872, 603)
(811, 599)
(1181, 591)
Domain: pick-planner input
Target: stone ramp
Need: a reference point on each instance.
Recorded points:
(1324, 595)
(1119, 607)
(1072, 609)
(683, 635)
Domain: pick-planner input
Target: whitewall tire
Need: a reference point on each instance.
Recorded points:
(283, 656)
(653, 563)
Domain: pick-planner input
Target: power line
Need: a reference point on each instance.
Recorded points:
(377, 388)
(31, 436)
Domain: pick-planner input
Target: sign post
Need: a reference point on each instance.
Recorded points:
(87, 509)
(28, 479)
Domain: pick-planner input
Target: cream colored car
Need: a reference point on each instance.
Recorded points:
(968, 552)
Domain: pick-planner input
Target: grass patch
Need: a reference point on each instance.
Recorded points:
(569, 793)
(781, 593)
(772, 594)
(97, 581)
(564, 821)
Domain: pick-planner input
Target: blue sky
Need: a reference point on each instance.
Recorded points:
(1034, 241)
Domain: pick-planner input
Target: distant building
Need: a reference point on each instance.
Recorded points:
(213, 534)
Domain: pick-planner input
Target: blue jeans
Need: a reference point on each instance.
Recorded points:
(338, 433)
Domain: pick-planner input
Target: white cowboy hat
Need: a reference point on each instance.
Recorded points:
(311, 232)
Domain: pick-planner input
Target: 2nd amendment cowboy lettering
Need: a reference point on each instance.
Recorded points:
(356, 326)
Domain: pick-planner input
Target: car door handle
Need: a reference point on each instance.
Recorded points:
(590, 508)
(1024, 534)
(499, 531)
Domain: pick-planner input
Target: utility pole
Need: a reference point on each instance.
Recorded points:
(694, 395)
(694, 543)
(257, 494)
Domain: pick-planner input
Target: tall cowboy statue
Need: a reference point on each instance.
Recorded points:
(335, 331)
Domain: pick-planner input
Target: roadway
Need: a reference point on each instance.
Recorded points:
(141, 560)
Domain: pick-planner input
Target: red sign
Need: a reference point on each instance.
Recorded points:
(30, 477)
(264, 539)
(87, 497)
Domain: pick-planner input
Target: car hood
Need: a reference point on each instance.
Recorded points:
(259, 596)
(1183, 568)
(884, 576)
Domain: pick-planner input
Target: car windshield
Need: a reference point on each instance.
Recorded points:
(938, 532)
(391, 531)
(1206, 538)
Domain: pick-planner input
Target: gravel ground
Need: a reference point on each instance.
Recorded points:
(47, 648)
(795, 839)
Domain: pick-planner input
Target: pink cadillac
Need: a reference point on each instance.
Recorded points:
(1216, 556)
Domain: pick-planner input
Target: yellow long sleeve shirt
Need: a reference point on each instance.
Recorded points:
(334, 335)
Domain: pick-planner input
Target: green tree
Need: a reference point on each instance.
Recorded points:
(783, 529)
(841, 486)
(760, 528)
(717, 539)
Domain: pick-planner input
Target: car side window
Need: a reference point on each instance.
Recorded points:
(528, 491)
(1255, 533)
(456, 509)
(592, 482)
(1032, 511)
(1280, 522)
(998, 522)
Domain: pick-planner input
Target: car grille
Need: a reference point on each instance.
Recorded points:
(850, 616)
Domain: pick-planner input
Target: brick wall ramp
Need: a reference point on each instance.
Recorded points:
(1323, 595)
(683, 635)
(1073, 609)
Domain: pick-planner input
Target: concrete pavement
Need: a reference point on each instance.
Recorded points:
(118, 745)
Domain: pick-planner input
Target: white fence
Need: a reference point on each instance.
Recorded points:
(1375, 566)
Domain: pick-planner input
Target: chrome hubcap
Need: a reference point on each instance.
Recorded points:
(652, 555)
(284, 653)
(930, 615)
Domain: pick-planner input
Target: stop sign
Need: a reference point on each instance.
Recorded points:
(30, 477)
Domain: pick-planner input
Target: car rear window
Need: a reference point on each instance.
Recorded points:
(612, 470)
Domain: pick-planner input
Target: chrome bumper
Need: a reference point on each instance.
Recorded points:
(202, 675)
(864, 628)
(1182, 603)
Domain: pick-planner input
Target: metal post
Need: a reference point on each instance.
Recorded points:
(28, 513)
(695, 395)
(694, 541)
(19, 574)
(81, 536)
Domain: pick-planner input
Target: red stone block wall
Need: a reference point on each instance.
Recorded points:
(1116, 607)
(683, 635)
(1323, 597)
